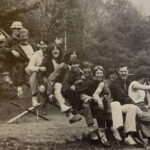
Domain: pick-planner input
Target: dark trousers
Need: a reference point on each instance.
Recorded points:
(73, 98)
(20, 74)
(91, 111)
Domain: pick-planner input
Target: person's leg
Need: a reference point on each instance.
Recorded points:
(20, 78)
(59, 97)
(130, 122)
(101, 121)
(116, 110)
(59, 94)
(34, 88)
(88, 114)
(89, 120)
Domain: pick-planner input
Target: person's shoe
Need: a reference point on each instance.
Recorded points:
(116, 134)
(20, 92)
(65, 108)
(103, 138)
(93, 136)
(75, 118)
(130, 141)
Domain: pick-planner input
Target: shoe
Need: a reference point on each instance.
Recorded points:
(130, 141)
(93, 136)
(65, 108)
(20, 92)
(75, 118)
(103, 138)
(116, 134)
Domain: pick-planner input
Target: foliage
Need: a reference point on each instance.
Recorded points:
(115, 32)
(107, 32)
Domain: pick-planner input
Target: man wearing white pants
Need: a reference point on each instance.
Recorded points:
(123, 104)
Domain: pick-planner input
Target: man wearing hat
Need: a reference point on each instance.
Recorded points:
(14, 39)
(10, 42)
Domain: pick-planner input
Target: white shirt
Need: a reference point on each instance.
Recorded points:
(136, 95)
(28, 50)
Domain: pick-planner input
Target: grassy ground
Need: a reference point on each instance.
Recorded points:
(57, 134)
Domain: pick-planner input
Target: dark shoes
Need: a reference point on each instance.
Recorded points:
(75, 118)
(93, 136)
(103, 138)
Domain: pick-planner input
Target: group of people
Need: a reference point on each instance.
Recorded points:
(80, 88)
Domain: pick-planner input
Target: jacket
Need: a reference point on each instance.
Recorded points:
(119, 92)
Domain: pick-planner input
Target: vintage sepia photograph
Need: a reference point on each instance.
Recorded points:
(74, 74)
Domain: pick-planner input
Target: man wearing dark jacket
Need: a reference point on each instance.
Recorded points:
(22, 52)
(119, 92)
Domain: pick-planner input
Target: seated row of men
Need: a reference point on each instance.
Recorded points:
(81, 88)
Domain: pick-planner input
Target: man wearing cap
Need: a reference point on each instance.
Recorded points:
(10, 42)
(14, 39)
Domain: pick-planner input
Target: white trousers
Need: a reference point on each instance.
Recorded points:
(130, 110)
(59, 97)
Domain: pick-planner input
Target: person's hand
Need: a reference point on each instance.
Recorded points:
(41, 88)
(43, 69)
(95, 100)
(72, 87)
(59, 40)
(51, 97)
(15, 53)
(101, 105)
(140, 113)
(63, 65)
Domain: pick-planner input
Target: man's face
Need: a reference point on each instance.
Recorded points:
(75, 67)
(23, 37)
(99, 74)
(123, 72)
(87, 71)
(113, 76)
(16, 31)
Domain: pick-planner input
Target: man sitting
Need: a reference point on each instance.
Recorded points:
(122, 103)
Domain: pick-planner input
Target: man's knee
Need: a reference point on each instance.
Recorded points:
(115, 104)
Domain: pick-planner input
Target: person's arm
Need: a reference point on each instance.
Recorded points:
(97, 92)
(140, 86)
(32, 65)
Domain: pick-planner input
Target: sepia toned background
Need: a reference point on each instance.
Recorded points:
(99, 30)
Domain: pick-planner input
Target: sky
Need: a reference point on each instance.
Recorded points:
(142, 5)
